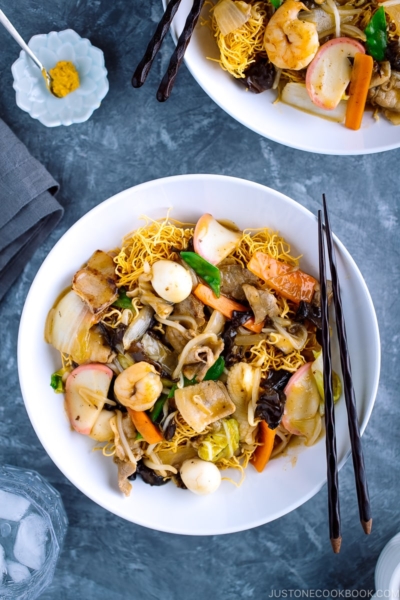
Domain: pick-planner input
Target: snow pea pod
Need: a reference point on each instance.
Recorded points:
(377, 35)
(205, 270)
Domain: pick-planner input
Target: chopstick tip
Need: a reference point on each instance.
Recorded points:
(336, 544)
(367, 526)
(136, 83)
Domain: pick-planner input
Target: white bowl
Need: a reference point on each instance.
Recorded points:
(168, 508)
(387, 571)
(32, 94)
(278, 122)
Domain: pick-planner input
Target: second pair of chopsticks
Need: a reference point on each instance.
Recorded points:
(355, 438)
(143, 68)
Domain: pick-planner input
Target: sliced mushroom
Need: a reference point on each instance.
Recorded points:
(380, 74)
(262, 303)
(191, 307)
(148, 297)
(125, 470)
(158, 352)
(177, 339)
(201, 358)
(198, 356)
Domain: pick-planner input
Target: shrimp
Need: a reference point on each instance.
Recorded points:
(289, 42)
(138, 387)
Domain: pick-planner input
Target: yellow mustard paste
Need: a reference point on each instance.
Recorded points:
(64, 78)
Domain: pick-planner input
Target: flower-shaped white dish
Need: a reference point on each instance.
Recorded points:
(31, 92)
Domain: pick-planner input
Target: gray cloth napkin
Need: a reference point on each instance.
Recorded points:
(28, 210)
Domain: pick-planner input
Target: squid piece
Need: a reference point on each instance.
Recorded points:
(204, 403)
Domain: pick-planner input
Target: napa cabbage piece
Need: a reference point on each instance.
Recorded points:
(240, 387)
(70, 329)
(138, 327)
(317, 369)
(231, 15)
(301, 414)
(220, 444)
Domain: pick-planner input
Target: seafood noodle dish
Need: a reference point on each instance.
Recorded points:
(191, 353)
(331, 58)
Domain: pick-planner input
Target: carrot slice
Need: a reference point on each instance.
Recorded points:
(294, 285)
(144, 425)
(224, 305)
(263, 452)
(359, 84)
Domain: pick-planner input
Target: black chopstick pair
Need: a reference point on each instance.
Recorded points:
(355, 438)
(143, 68)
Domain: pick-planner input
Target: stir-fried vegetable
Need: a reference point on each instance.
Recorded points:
(205, 270)
(263, 452)
(224, 305)
(138, 327)
(123, 301)
(376, 32)
(56, 381)
(359, 85)
(216, 370)
(317, 369)
(222, 443)
(302, 415)
(141, 420)
(292, 284)
(231, 15)
(158, 407)
(271, 403)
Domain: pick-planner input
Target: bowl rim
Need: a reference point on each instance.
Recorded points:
(115, 199)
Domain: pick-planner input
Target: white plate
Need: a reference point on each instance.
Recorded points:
(277, 122)
(168, 508)
(387, 567)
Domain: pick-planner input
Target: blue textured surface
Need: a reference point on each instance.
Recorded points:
(130, 139)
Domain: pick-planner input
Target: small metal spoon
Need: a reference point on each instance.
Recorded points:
(11, 29)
